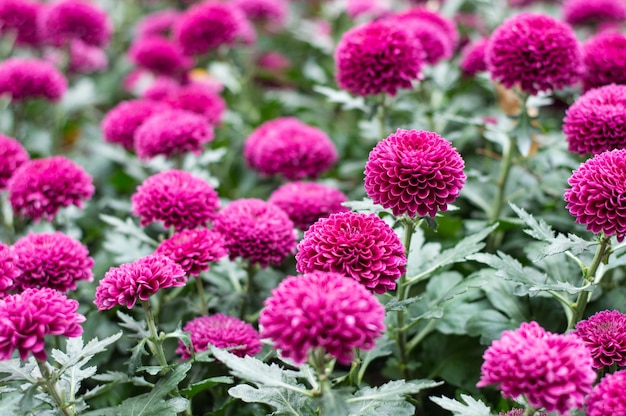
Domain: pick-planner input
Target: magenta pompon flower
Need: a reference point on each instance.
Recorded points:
(604, 334)
(66, 20)
(414, 172)
(9, 271)
(194, 250)
(53, 260)
(534, 52)
(177, 199)
(371, 9)
(223, 332)
(473, 57)
(12, 156)
(581, 12)
(19, 18)
(270, 12)
(159, 55)
(360, 246)
(200, 99)
(321, 310)
(604, 59)
(27, 317)
(257, 231)
(552, 371)
(595, 198)
(446, 25)
(130, 282)
(86, 59)
(28, 78)
(608, 398)
(39, 188)
(159, 23)
(286, 146)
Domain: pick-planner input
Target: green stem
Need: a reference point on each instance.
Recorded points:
(319, 361)
(247, 295)
(50, 387)
(421, 335)
(201, 295)
(402, 293)
(382, 115)
(155, 342)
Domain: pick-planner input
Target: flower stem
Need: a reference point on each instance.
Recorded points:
(50, 387)
(382, 114)
(402, 293)
(247, 295)
(319, 361)
(201, 295)
(154, 343)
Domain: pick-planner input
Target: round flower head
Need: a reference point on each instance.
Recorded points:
(159, 55)
(535, 52)
(200, 99)
(158, 23)
(25, 78)
(138, 280)
(608, 398)
(223, 332)
(306, 202)
(581, 12)
(473, 57)
(8, 269)
(158, 88)
(595, 197)
(286, 146)
(429, 16)
(378, 57)
(273, 12)
(604, 58)
(371, 9)
(176, 198)
(597, 121)
(119, 124)
(321, 310)
(19, 18)
(553, 371)
(414, 172)
(12, 156)
(66, 20)
(605, 336)
(257, 231)
(86, 59)
(40, 188)
(53, 260)
(172, 132)
(194, 250)
(361, 246)
(26, 318)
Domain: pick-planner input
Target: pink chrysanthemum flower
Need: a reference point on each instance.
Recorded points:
(535, 52)
(223, 332)
(596, 122)
(198, 98)
(306, 202)
(361, 246)
(26, 318)
(473, 57)
(552, 371)
(257, 231)
(604, 59)
(595, 197)
(321, 310)
(26, 78)
(608, 398)
(378, 57)
(159, 55)
(176, 198)
(414, 172)
(604, 333)
(194, 250)
(171, 133)
(120, 123)
(272, 12)
(86, 59)
(19, 18)
(139, 280)
(430, 16)
(53, 260)
(8, 269)
(372, 9)
(159, 23)
(581, 12)
(40, 188)
(12, 156)
(67, 20)
(286, 146)
(159, 88)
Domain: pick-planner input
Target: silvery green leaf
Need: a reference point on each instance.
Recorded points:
(468, 406)
(19, 371)
(347, 101)
(388, 399)
(285, 402)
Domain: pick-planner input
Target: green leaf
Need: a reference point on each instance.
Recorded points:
(347, 101)
(28, 371)
(286, 402)
(468, 406)
(138, 327)
(489, 324)
(388, 399)
(10, 401)
(200, 386)
(77, 355)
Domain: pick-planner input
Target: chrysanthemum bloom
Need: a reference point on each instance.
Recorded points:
(66, 20)
(361, 246)
(257, 231)
(119, 124)
(12, 156)
(138, 280)
(321, 310)
(223, 332)
(86, 59)
(553, 371)
(158, 88)
(286, 146)
(19, 18)
(176, 198)
(53, 260)
(26, 318)
(596, 122)
(535, 52)
(306, 202)
(595, 197)
(159, 55)
(604, 59)
(200, 99)
(378, 57)
(373, 9)
(608, 398)
(604, 333)
(272, 12)
(581, 12)
(40, 188)
(159, 23)
(414, 172)
(26, 78)
(172, 132)
(473, 57)
(194, 250)
(446, 25)
(8, 269)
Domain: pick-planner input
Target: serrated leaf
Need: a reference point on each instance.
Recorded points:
(200, 386)
(77, 354)
(285, 402)
(138, 327)
(347, 101)
(10, 401)
(366, 205)
(467, 407)
(398, 305)
(19, 371)
(368, 399)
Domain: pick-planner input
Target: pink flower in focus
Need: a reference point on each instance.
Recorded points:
(608, 398)
(120, 123)
(223, 332)
(19, 18)
(86, 59)
(553, 371)
(194, 250)
(67, 20)
(473, 57)
(26, 318)
(581, 12)
(12, 156)
(159, 23)
(604, 334)
(159, 55)
(8, 269)
(138, 280)
(200, 99)
(604, 59)
(360, 246)
(27, 78)
(321, 310)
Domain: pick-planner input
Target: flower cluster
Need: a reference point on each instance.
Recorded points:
(604, 334)
(200, 99)
(607, 398)
(86, 59)
(120, 123)
(580, 12)
(66, 20)
(19, 18)
(604, 59)
(193, 250)
(12, 156)
(159, 55)
(28, 78)
(159, 23)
